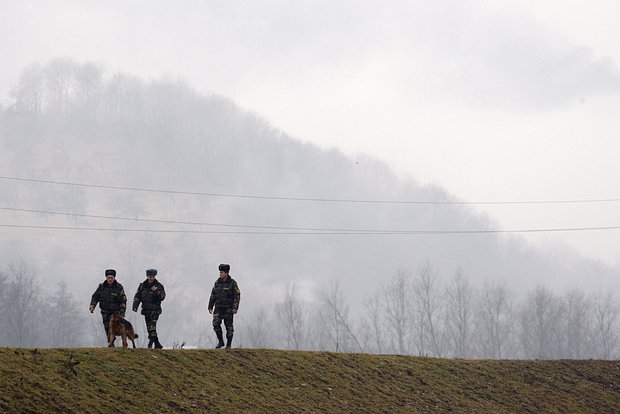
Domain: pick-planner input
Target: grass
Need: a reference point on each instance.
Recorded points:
(270, 381)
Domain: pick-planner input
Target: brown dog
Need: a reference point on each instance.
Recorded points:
(122, 327)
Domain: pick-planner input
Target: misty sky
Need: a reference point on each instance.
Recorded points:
(493, 100)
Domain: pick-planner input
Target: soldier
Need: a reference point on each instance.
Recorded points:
(150, 293)
(225, 297)
(111, 298)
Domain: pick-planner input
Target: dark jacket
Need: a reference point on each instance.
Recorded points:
(225, 294)
(150, 295)
(111, 298)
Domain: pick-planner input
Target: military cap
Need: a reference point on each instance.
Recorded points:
(224, 268)
(110, 272)
(151, 272)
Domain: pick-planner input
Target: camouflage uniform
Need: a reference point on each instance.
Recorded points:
(151, 295)
(111, 299)
(225, 297)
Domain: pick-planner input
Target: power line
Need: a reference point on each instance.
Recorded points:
(195, 223)
(412, 232)
(302, 230)
(330, 200)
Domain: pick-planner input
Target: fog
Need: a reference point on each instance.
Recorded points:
(508, 101)
(118, 166)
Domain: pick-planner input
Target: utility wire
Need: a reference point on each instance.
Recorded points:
(302, 230)
(329, 200)
(190, 222)
(412, 232)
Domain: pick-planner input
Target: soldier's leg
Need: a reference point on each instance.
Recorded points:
(217, 327)
(146, 321)
(151, 327)
(230, 330)
(151, 324)
(105, 317)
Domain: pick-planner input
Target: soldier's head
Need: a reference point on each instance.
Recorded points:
(224, 270)
(150, 274)
(110, 276)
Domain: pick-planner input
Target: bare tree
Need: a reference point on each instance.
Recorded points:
(459, 300)
(29, 92)
(397, 304)
(291, 317)
(337, 316)
(317, 337)
(493, 321)
(23, 304)
(428, 306)
(605, 314)
(374, 321)
(88, 81)
(576, 310)
(59, 79)
(63, 319)
(539, 324)
(123, 99)
(257, 329)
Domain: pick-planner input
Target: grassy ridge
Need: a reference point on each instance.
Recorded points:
(270, 381)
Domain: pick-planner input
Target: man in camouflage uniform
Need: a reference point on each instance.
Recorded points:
(111, 298)
(150, 293)
(225, 297)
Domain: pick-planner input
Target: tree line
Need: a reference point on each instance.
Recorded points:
(33, 314)
(409, 313)
(418, 313)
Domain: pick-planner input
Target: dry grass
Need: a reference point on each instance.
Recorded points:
(269, 381)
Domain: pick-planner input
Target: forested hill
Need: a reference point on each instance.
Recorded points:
(133, 174)
(263, 381)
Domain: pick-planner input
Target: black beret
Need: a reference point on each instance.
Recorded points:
(110, 272)
(151, 272)
(224, 268)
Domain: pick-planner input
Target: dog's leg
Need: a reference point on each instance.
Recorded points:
(110, 334)
(124, 337)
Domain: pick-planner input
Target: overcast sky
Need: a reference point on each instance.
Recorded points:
(493, 100)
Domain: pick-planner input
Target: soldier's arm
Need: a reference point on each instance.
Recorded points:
(136, 298)
(123, 306)
(95, 298)
(237, 296)
(212, 298)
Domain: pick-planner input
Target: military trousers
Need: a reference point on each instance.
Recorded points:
(226, 315)
(151, 317)
(106, 316)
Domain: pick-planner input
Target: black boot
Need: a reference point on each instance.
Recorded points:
(228, 341)
(221, 341)
(157, 344)
(151, 340)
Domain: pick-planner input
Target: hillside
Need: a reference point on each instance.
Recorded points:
(107, 171)
(270, 381)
